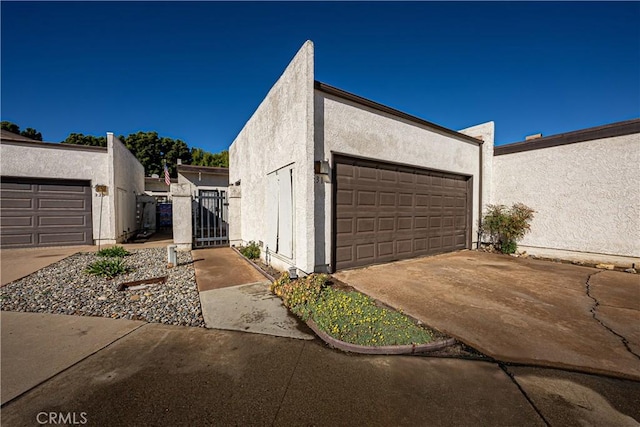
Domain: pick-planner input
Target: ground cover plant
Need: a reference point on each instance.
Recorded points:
(108, 267)
(114, 252)
(348, 316)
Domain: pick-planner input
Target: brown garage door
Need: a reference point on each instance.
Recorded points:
(45, 213)
(385, 212)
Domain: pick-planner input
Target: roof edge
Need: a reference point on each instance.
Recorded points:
(331, 90)
(611, 130)
(55, 145)
(213, 170)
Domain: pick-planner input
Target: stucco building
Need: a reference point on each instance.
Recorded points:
(61, 194)
(323, 179)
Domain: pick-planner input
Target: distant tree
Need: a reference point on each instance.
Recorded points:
(81, 139)
(152, 151)
(199, 157)
(10, 127)
(32, 133)
(28, 132)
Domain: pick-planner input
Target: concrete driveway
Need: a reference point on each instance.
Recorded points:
(518, 310)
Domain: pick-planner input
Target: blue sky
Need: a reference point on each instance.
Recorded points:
(197, 71)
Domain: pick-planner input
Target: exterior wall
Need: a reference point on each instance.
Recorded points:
(279, 133)
(157, 187)
(343, 127)
(203, 181)
(486, 133)
(61, 161)
(586, 195)
(127, 181)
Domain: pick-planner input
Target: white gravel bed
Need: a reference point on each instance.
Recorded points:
(65, 288)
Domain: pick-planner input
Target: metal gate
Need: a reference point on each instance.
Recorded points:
(210, 219)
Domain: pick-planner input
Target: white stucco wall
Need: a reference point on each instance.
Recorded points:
(586, 195)
(279, 133)
(61, 161)
(343, 127)
(127, 181)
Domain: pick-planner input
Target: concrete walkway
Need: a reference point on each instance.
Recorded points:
(222, 267)
(169, 375)
(235, 296)
(518, 310)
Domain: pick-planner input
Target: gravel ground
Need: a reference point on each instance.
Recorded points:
(65, 288)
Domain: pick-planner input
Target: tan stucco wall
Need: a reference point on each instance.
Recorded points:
(279, 133)
(586, 195)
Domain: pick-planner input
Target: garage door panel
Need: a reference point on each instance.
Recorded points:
(17, 187)
(17, 221)
(64, 204)
(366, 198)
(65, 189)
(55, 221)
(11, 203)
(37, 213)
(17, 239)
(386, 212)
(61, 238)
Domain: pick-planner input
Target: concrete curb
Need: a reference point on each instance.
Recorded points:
(254, 265)
(386, 350)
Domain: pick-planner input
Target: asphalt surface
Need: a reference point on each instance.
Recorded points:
(99, 371)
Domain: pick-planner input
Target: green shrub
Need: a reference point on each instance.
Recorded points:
(114, 252)
(251, 251)
(505, 226)
(108, 267)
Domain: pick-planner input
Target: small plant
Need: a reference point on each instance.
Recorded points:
(114, 252)
(251, 251)
(108, 267)
(354, 317)
(298, 295)
(348, 316)
(505, 226)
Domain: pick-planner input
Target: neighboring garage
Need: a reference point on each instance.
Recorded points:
(45, 212)
(60, 194)
(386, 212)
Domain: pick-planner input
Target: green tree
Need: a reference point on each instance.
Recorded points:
(152, 151)
(28, 132)
(81, 139)
(199, 157)
(11, 127)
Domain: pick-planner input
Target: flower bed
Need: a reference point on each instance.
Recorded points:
(349, 316)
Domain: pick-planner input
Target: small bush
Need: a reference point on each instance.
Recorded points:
(114, 252)
(505, 226)
(251, 251)
(109, 267)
